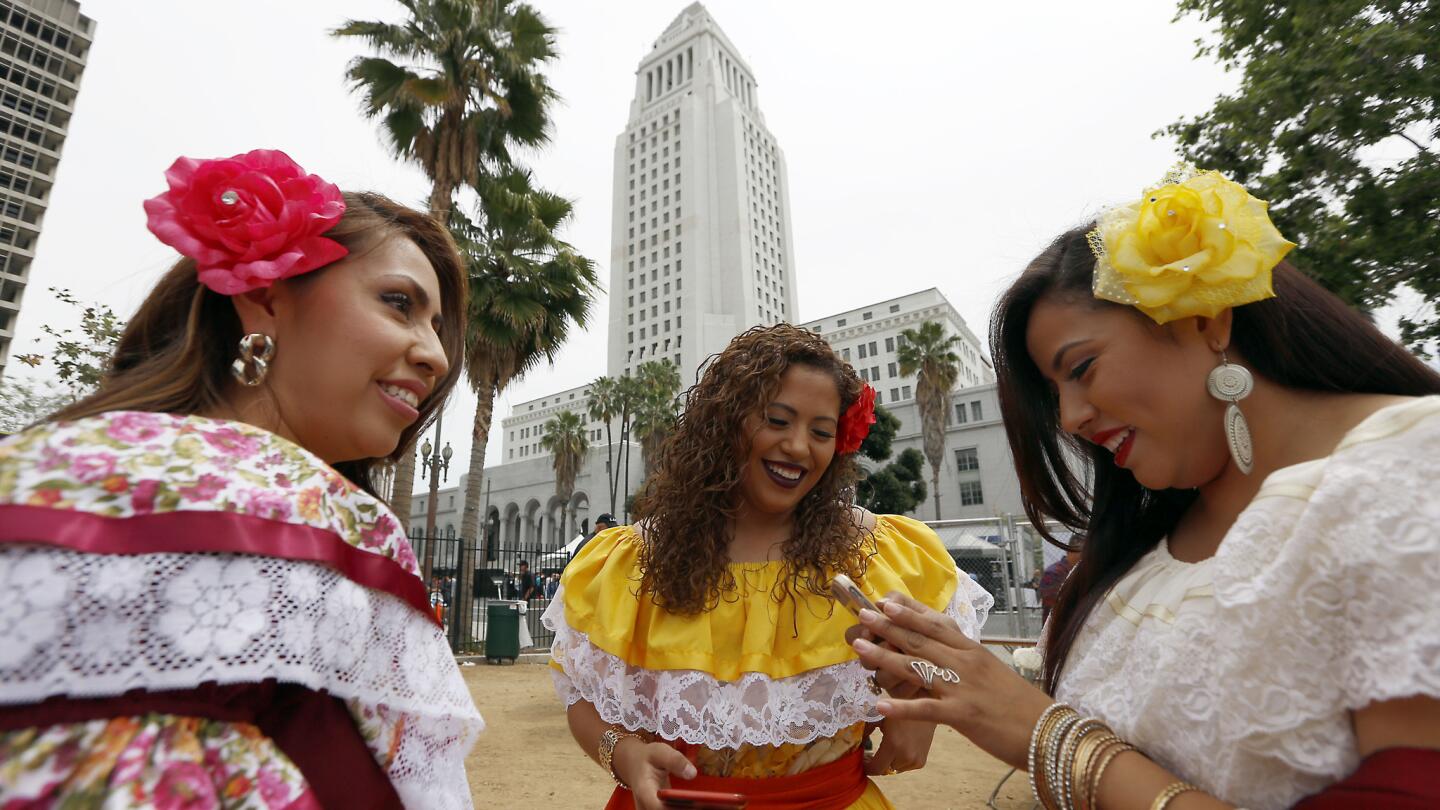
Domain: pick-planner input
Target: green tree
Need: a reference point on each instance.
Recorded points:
(604, 405)
(657, 408)
(898, 488)
(23, 402)
(568, 443)
(1336, 123)
(630, 392)
(528, 289)
(876, 446)
(457, 86)
(81, 360)
(929, 354)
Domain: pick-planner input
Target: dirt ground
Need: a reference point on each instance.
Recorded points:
(526, 757)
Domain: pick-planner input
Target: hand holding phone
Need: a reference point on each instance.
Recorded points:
(847, 593)
(675, 799)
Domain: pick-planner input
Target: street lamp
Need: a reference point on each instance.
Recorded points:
(434, 465)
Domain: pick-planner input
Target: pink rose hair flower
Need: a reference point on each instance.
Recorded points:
(856, 421)
(248, 220)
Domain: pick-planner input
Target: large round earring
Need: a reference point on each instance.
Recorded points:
(1232, 383)
(256, 351)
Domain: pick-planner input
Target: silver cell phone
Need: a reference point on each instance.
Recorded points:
(847, 593)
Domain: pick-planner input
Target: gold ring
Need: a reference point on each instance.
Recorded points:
(889, 772)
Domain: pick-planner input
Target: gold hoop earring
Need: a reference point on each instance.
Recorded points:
(256, 351)
(1231, 383)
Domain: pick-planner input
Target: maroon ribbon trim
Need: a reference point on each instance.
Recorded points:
(313, 729)
(191, 532)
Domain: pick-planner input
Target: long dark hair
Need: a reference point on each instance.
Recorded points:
(688, 503)
(175, 354)
(1304, 338)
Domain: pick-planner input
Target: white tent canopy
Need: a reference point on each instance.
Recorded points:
(558, 558)
(957, 539)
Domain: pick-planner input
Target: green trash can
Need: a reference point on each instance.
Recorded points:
(502, 630)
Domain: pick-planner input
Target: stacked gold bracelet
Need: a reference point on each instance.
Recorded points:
(1068, 755)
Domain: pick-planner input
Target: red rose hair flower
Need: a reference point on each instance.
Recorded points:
(855, 423)
(248, 220)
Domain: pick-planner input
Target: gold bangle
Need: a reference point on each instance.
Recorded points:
(1085, 754)
(1170, 793)
(608, 740)
(1102, 761)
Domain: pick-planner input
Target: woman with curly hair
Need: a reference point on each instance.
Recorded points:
(700, 648)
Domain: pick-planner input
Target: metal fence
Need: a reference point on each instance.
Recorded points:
(494, 575)
(1002, 554)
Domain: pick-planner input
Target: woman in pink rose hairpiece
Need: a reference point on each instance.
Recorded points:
(212, 606)
(702, 648)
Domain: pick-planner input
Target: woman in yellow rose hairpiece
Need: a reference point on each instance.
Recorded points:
(1251, 465)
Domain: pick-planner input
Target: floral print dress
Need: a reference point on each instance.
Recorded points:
(196, 613)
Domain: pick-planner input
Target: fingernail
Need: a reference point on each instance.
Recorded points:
(884, 707)
(893, 608)
(861, 645)
(689, 772)
(868, 616)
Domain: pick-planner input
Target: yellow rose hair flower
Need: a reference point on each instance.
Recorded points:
(1195, 244)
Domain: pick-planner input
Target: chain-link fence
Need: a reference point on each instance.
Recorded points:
(1005, 556)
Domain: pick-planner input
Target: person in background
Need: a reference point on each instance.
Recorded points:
(605, 521)
(526, 584)
(1252, 621)
(219, 608)
(1052, 578)
(701, 647)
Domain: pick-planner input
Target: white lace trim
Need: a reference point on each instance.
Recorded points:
(92, 625)
(700, 709)
(1324, 601)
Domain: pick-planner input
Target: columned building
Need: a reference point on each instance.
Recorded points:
(701, 247)
(43, 45)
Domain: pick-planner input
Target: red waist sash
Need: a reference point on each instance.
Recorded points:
(835, 786)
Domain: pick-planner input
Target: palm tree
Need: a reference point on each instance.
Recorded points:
(565, 437)
(929, 354)
(605, 406)
(655, 413)
(527, 289)
(456, 86)
(630, 392)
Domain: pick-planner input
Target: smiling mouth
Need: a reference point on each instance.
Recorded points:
(788, 476)
(1113, 443)
(405, 395)
(1123, 444)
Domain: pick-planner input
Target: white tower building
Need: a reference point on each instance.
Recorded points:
(701, 233)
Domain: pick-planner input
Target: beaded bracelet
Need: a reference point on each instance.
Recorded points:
(1038, 733)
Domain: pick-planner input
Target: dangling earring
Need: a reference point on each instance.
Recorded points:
(256, 350)
(1231, 383)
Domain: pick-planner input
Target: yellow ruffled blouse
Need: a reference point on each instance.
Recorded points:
(764, 687)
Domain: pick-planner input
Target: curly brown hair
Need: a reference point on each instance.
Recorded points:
(690, 501)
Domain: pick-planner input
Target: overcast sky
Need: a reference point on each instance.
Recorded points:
(930, 144)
